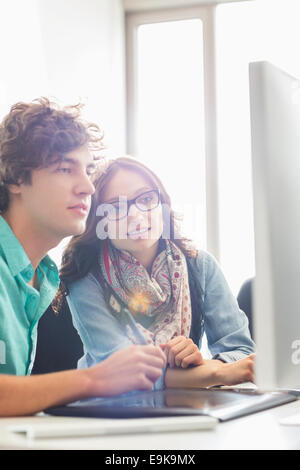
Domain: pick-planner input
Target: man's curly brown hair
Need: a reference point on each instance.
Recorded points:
(36, 135)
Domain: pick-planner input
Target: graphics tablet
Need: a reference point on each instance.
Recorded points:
(217, 403)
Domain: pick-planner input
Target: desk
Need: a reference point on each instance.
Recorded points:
(257, 431)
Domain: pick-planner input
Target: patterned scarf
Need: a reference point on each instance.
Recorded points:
(163, 295)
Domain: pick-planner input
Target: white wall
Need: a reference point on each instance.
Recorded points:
(69, 50)
(23, 69)
(83, 44)
(141, 5)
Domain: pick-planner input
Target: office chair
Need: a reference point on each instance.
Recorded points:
(58, 344)
(244, 299)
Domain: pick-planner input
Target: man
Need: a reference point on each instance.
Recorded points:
(47, 159)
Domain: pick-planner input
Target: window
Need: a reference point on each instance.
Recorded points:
(170, 118)
(215, 44)
(245, 32)
(167, 111)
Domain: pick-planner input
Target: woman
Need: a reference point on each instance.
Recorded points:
(131, 279)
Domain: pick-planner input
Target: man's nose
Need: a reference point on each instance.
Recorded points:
(85, 185)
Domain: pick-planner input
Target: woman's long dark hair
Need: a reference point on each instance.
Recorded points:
(81, 254)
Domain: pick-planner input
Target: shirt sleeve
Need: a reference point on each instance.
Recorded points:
(101, 332)
(226, 326)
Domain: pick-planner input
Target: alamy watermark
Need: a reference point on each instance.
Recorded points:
(108, 227)
(295, 357)
(2, 352)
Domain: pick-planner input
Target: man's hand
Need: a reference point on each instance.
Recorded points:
(182, 352)
(132, 368)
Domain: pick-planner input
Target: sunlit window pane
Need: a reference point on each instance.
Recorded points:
(170, 115)
(234, 142)
(246, 32)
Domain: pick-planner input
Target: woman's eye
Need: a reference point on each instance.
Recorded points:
(146, 200)
(116, 208)
(91, 172)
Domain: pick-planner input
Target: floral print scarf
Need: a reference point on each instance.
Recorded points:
(163, 295)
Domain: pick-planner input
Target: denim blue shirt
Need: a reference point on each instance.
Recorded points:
(102, 333)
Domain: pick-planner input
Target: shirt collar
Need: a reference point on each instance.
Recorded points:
(16, 258)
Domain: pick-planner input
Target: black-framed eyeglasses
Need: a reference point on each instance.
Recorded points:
(144, 202)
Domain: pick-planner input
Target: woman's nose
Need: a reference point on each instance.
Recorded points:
(133, 211)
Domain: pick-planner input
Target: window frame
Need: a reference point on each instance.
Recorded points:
(206, 13)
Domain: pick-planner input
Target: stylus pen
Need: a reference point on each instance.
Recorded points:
(132, 331)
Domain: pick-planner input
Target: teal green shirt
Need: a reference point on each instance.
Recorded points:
(21, 305)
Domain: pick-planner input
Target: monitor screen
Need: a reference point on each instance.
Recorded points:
(275, 133)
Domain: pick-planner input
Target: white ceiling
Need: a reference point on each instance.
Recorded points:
(140, 5)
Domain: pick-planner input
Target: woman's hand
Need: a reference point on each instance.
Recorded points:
(210, 373)
(182, 352)
(233, 373)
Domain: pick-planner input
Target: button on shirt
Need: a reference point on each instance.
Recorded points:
(21, 305)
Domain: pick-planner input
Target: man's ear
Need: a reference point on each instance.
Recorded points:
(14, 188)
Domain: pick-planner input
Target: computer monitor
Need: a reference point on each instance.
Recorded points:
(275, 134)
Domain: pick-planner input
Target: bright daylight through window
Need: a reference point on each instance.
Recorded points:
(170, 114)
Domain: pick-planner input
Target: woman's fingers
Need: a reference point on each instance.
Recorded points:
(171, 347)
(170, 359)
(189, 349)
(182, 352)
(195, 359)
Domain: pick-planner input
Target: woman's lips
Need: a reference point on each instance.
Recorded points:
(140, 233)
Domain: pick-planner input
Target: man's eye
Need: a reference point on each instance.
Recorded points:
(64, 170)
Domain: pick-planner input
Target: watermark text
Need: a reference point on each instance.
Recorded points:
(2, 352)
